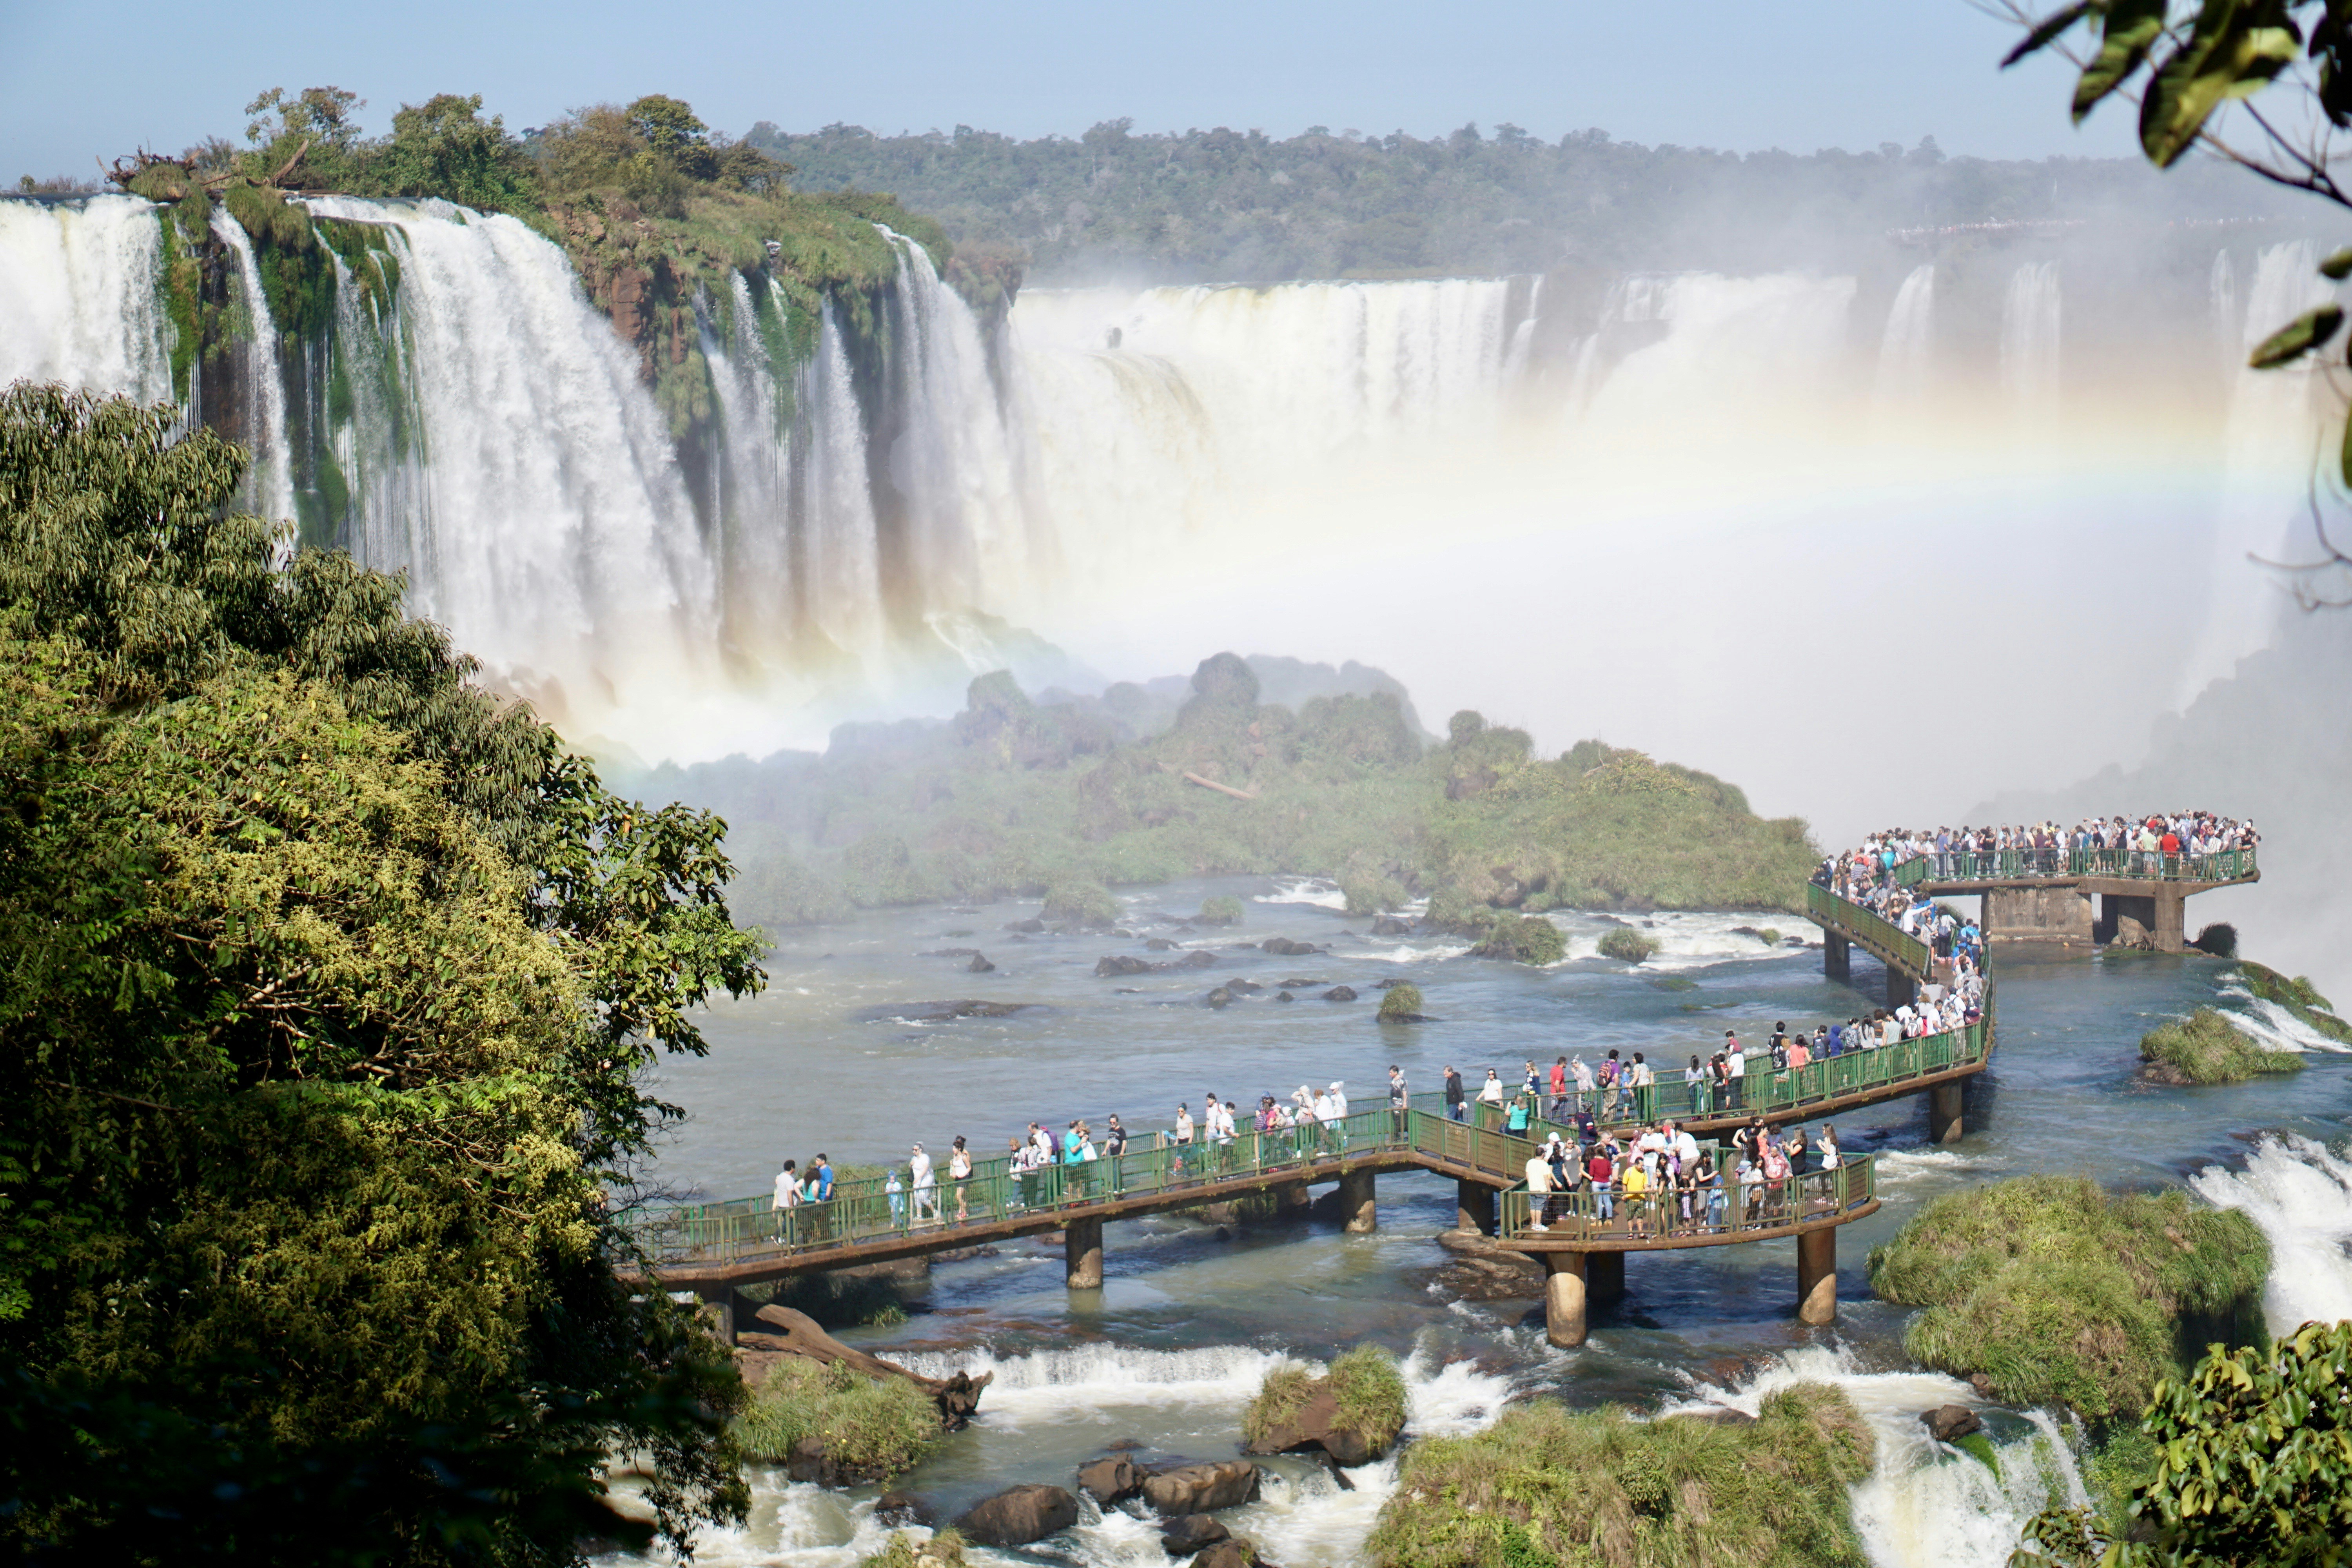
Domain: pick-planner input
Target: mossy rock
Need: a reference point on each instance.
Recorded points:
(2206, 1048)
(1084, 905)
(1401, 1003)
(1629, 945)
(1523, 939)
(1220, 911)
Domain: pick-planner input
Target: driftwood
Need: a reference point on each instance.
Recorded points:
(1221, 789)
(126, 170)
(797, 1334)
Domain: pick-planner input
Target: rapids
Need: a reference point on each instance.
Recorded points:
(1190, 1320)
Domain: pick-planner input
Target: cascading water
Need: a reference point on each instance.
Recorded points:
(2029, 338)
(262, 411)
(77, 281)
(1906, 351)
(2300, 1192)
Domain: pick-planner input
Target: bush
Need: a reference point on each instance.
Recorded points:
(1633, 946)
(1284, 1392)
(1526, 938)
(2220, 939)
(1402, 1002)
(2207, 1047)
(1545, 1485)
(1370, 1392)
(1077, 903)
(943, 1550)
(2058, 1292)
(1220, 911)
(1372, 895)
(873, 1427)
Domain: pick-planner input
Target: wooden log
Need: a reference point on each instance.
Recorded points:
(796, 1333)
(1221, 789)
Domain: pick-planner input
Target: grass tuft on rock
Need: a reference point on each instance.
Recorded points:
(1369, 1390)
(1547, 1485)
(1221, 910)
(1525, 939)
(2060, 1292)
(1625, 942)
(872, 1427)
(943, 1550)
(1401, 1003)
(1088, 905)
(1284, 1392)
(2207, 1047)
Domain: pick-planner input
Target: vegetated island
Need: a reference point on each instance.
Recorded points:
(2211, 1046)
(1151, 783)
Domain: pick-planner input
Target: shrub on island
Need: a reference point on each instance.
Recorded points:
(1401, 1005)
(871, 1428)
(1079, 903)
(1220, 911)
(1353, 1413)
(1545, 1484)
(2058, 1292)
(944, 1549)
(1524, 939)
(1626, 943)
(2207, 1047)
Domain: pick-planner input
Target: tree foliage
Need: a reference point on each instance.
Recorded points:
(330, 979)
(2253, 1465)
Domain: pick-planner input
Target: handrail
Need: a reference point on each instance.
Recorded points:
(1589, 1213)
(1873, 931)
(2120, 864)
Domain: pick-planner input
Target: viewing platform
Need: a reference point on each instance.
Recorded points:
(2046, 895)
(1581, 1238)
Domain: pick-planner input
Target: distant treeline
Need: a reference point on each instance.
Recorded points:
(1235, 206)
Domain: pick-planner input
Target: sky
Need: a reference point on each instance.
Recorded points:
(95, 79)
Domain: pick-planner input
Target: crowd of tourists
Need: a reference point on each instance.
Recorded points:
(1663, 1182)
(2162, 844)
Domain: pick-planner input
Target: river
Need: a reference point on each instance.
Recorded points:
(1189, 1318)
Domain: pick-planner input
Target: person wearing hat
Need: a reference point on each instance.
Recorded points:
(926, 1184)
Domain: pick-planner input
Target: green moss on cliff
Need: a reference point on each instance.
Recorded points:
(2060, 1292)
(2206, 1048)
(2297, 995)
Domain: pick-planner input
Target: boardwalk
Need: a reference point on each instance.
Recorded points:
(2047, 895)
(714, 1248)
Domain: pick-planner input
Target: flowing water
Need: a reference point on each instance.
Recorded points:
(1190, 1317)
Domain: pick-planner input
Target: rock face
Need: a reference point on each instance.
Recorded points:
(1032, 925)
(2129, 932)
(1232, 1552)
(1201, 1488)
(1111, 1480)
(1019, 1515)
(797, 1334)
(1950, 1423)
(1183, 1536)
(1314, 1425)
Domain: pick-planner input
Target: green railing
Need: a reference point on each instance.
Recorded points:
(1765, 1091)
(1880, 935)
(2124, 865)
(866, 1210)
(1726, 1207)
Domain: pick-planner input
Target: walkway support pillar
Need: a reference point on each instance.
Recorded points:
(1817, 1275)
(1604, 1277)
(1474, 1206)
(1943, 1122)
(1357, 1210)
(1564, 1299)
(2170, 910)
(1837, 958)
(1082, 1254)
(716, 1303)
(1901, 989)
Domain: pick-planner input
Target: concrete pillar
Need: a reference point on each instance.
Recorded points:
(1837, 957)
(1082, 1254)
(1357, 1212)
(1943, 1122)
(1293, 1197)
(1604, 1275)
(1901, 989)
(2059, 913)
(1817, 1275)
(716, 1304)
(1564, 1299)
(1473, 1205)
(2170, 908)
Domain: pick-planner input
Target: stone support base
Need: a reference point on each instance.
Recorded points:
(1082, 1255)
(1817, 1277)
(1564, 1287)
(1359, 1213)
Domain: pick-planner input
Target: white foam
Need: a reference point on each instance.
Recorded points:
(791, 1524)
(2270, 1026)
(1093, 1381)
(1908, 1164)
(1321, 891)
(1690, 939)
(2301, 1195)
(1924, 1505)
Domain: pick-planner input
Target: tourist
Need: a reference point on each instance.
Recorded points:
(1583, 1076)
(1454, 1106)
(926, 1184)
(1539, 1175)
(1114, 1151)
(1695, 1081)
(1491, 1091)
(1645, 1082)
(1515, 1122)
(1601, 1171)
(820, 1192)
(788, 1198)
(1530, 1080)
(1735, 1063)
(1612, 1086)
(896, 1191)
(960, 1172)
(1710, 1182)
(1184, 1139)
(1634, 1182)
(1799, 1155)
(1400, 1102)
(1557, 1109)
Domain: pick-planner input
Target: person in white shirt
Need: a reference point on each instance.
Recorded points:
(926, 1184)
(1539, 1190)
(1491, 1091)
(1338, 1103)
(1583, 1071)
(788, 1198)
(1734, 1066)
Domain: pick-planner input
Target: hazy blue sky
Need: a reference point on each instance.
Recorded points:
(81, 79)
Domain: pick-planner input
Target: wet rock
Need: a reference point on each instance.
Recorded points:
(1242, 946)
(1112, 1479)
(1220, 997)
(1389, 983)
(954, 952)
(1032, 925)
(941, 1011)
(1160, 944)
(1314, 1425)
(1284, 996)
(1950, 1423)
(1122, 932)
(1122, 963)
(1299, 984)
(900, 1509)
(1282, 947)
(1340, 993)
(1243, 987)
(1019, 1515)
(1982, 1384)
(1236, 1552)
(1125, 1445)
(2165, 1073)
(1389, 925)
(1197, 960)
(1191, 1532)
(1201, 1488)
(2130, 934)
(979, 966)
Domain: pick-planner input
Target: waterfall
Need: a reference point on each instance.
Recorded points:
(1906, 351)
(2029, 338)
(261, 411)
(78, 296)
(2300, 1192)
(844, 571)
